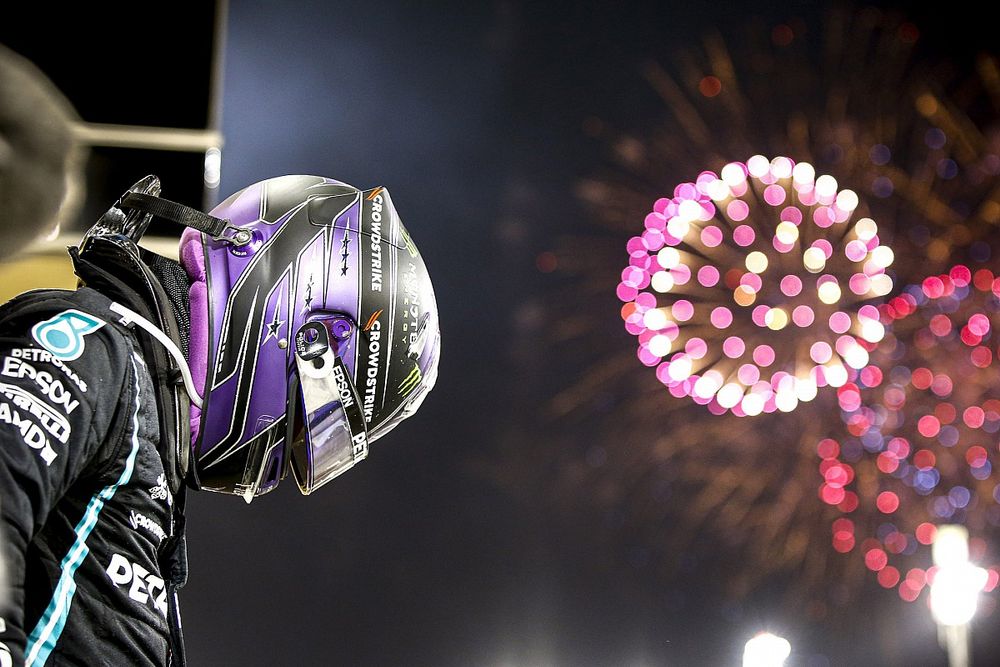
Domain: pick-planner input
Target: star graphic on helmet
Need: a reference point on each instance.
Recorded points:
(274, 326)
(344, 255)
(309, 291)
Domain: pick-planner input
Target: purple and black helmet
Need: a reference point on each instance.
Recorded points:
(309, 340)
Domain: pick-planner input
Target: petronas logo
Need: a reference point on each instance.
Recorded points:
(63, 334)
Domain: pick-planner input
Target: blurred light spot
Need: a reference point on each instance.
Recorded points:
(814, 260)
(213, 168)
(947, 169)
(888, 577)
(887, 502)
(756, 262)
(547, 262)
(880, 154)
(782, 35)
(909, 33)
(710, 86)
(935, 138)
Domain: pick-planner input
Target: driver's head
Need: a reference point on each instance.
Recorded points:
(312, 340)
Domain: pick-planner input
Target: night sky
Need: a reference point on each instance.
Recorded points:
(475, 116)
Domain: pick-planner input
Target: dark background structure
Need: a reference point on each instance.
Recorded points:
(476, 116)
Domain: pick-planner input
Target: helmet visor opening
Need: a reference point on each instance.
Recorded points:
(334, 436)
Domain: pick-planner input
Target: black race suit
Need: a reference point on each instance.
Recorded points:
(86, 512)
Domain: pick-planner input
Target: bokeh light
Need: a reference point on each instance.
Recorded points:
(921, 428)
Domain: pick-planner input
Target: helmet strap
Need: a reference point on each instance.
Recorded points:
(218, 228)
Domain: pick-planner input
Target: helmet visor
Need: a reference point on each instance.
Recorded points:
(333, 433)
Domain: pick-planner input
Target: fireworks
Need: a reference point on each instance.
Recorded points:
(858, 107)
(920, 148)
(751, 282)
(922, 426)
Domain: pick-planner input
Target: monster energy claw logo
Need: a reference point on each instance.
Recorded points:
(63, 334)
(410, 382)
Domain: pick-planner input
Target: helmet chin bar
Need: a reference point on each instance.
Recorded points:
(261, 474)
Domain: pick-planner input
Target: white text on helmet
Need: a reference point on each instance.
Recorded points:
(371, 379)
(376, 244)
(411, 305)
(344, 389)
(359, 447)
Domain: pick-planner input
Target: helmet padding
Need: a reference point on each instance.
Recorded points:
(192, 257)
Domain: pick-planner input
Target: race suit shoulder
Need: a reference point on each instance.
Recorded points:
(84, 501)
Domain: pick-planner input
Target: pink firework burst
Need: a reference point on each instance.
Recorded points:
(922, 424)
(751, 289)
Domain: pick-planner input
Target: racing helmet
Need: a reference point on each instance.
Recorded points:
(314, 331)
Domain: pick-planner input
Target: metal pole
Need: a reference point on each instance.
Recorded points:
(955, 639)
